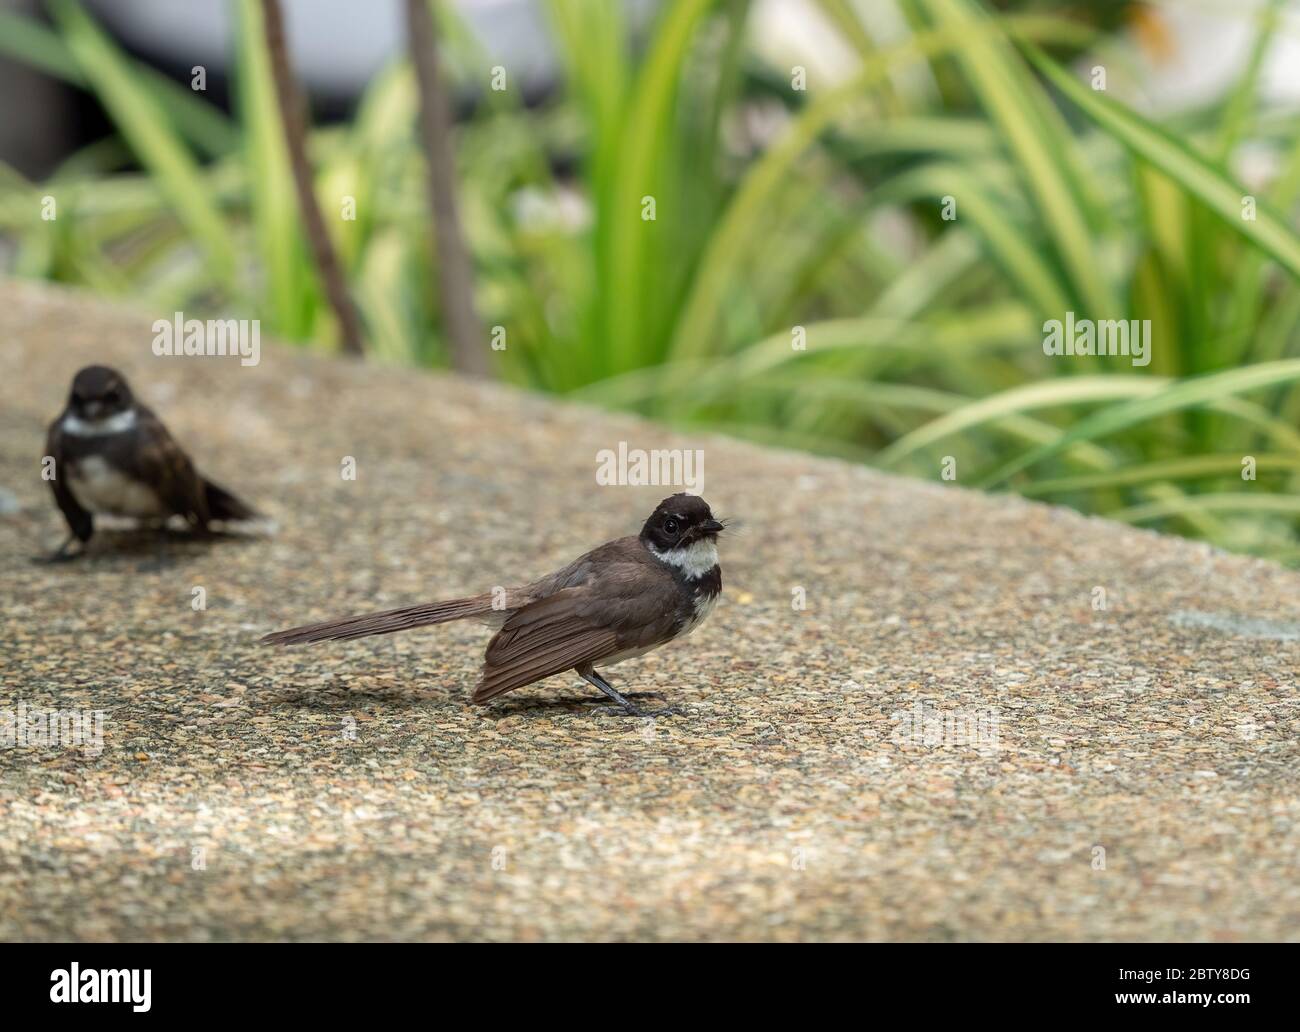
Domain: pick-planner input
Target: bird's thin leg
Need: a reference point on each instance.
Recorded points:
(596, 681)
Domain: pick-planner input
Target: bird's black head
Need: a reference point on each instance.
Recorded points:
(679, 522)
(98, 393)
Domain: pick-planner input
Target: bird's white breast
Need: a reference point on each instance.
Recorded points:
(100, 488)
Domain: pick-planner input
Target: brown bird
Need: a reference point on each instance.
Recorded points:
(620, 600)
(112, 455)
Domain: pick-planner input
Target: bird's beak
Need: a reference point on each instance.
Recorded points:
(711, 527)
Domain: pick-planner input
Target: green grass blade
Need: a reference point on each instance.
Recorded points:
(28, 42)
(288, 300)
(1188, 467)
(1242, 101)
(1179, 396)
(747, 215)
(872, 396)
(592, 42)
(750, 207)
(991, 65)
(1075, 390)
(1197, 176)
(645, 138)
(142, 123)
(1203, 503)
(1005, 242)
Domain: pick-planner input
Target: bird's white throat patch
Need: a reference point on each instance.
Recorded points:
(114, 424)
(695, 560)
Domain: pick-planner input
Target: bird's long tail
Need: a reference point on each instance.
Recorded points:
(348, 627)
(222, 505)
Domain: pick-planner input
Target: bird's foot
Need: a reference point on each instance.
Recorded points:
(623, 705)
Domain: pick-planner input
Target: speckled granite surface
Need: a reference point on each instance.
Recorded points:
(350, 791)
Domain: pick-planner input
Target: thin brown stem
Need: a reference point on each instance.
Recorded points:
(465, 336)
(293, 108)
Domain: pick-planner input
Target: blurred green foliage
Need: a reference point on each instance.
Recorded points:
(798, 283)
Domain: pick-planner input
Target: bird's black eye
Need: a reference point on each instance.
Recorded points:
(670, 525)
(111, 397)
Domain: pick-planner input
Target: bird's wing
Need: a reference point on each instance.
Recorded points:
(547, 637)
(622, 602)
(159, 461)
(80, 522)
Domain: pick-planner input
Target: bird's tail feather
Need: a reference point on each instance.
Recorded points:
(349, 627)
(222, 505)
